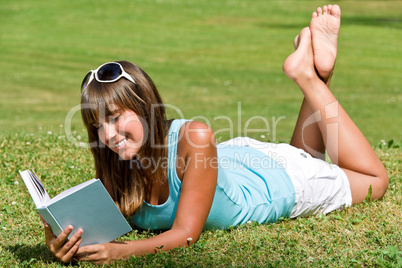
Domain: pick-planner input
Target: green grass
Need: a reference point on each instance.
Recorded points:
(365, 235)
(205, 57)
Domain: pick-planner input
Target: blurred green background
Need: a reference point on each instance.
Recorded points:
(207, 57)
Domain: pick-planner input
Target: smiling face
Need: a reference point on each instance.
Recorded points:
(125, 120)
(122, 132)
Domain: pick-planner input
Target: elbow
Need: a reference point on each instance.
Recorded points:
(188, 236)
(191, 236)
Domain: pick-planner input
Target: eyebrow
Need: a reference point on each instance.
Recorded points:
(110, 112)
(117, 110)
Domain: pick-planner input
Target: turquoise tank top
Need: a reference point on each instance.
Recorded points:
(251, 187)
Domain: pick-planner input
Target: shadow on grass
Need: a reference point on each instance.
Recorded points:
(373, 21)
(365, 21)
(32, 254)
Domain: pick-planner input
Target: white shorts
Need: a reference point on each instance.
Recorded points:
(320, 187)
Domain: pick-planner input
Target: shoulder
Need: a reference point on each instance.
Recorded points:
(196, 133)
(196, 143)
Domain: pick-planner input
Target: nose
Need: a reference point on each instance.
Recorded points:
(110, 132)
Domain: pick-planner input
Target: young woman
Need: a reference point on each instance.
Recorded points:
(171, 175)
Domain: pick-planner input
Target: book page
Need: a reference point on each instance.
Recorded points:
(35, 187)
(44, 196)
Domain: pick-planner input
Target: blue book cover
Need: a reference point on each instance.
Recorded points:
(87, 206)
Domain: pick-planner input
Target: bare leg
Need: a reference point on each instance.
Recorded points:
(324, 28)
(346, 145)
(307, 135)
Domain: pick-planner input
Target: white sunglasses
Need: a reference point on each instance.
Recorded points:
(106, 73)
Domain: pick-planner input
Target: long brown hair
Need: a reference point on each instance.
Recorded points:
(124, 179)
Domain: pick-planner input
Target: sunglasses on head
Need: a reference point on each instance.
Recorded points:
(106, 73)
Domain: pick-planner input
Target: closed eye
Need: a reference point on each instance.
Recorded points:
(115, 119)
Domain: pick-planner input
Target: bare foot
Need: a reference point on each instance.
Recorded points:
(300, 64)
(326, 80)
(324, 27)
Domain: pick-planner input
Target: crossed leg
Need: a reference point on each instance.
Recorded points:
(328, 125)
(325, 22)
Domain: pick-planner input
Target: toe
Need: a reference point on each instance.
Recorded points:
(315, 15)
(319, 11)
(325, 10)
(335, 11)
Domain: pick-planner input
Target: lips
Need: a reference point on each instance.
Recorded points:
(120, 144)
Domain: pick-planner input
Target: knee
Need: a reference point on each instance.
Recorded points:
(381, 185)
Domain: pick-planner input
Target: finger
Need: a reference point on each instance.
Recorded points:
(67, 250)
(43, 220)
(61, 239)
(49, 235)
(87, 253)
(84, 257)
(87, 249)
(70, 254)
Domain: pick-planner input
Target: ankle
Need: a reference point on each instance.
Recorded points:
(307, 78)
(307, 81)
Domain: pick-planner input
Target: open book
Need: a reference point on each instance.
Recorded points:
(87, 206)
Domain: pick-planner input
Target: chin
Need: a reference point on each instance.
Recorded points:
(127, 156)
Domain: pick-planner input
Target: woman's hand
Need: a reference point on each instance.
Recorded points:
(60, 246)
(67, 250)
(101, 253)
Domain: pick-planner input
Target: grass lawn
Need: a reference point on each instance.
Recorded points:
(214, 60)
(365, 235)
